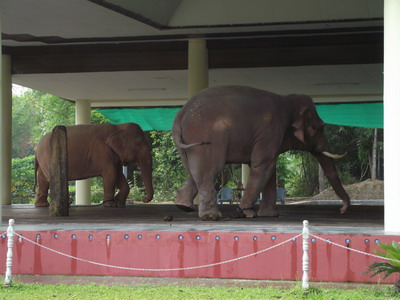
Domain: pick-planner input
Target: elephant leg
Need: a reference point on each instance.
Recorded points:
(260, 174)
(123, 187)
(208, 209)
(204, 167)
(268, 203)
(109, 184)
(186, 194)
(43, 190)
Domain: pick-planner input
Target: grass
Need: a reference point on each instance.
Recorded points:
(98, 292)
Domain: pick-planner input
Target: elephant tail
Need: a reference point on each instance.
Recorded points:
(177, 136)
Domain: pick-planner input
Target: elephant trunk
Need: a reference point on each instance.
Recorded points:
(328, 165)
(146, 168)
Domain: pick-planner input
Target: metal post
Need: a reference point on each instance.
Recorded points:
(306, 233)
(10, 244)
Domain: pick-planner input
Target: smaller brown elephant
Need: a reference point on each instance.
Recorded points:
(99, 150)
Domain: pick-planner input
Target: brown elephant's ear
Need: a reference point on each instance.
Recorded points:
(115, 141)
(299, 125)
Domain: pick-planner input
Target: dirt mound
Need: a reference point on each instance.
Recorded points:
(366, 190)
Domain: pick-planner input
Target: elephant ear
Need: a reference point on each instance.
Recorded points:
(115, 141)
(299, 125)
(303, 127)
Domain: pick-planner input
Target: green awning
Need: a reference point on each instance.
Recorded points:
(369, 115)
(158, 118)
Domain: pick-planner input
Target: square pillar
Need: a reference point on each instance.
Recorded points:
(391, 95)
(82, 116)
(197, 70)
(197, 66)
(5, 125)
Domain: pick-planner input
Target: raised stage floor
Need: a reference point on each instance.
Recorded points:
(136, 241)
(322, 218)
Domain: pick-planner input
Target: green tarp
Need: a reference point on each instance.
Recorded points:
(369, 115)
(158, 118)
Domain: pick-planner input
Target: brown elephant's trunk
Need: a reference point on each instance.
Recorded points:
(146, 169)
(330, 171)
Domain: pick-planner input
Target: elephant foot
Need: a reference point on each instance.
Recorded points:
(208, 211)
(212, 217)
(147, 200)
(268, 212)
(344, 208)
(244, 213)
(185, 208)
(119, 200)
(109, 203)
(42, 204)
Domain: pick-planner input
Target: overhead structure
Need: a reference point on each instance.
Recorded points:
(118, 54)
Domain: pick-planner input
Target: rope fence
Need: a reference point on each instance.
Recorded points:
(158, 270)
(305, 259)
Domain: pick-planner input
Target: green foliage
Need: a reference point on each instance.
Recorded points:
(22, 176)
(168, 171)
(284, 172)
(97, 117)
(52, 111)
(390, 252)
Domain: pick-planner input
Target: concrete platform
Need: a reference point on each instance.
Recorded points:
(136, 241)
(322, 218)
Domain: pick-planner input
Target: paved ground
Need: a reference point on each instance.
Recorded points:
(322, 218)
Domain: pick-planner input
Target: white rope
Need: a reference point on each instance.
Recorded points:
(354, 250)
(159, 270)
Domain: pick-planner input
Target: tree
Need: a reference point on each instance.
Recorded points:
(24, 118)
(168, 171)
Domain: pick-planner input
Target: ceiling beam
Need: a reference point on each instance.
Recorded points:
(319, 49)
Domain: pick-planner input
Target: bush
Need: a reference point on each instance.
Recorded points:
(392, 254)
(22, 177)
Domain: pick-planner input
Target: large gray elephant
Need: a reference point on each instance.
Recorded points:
(236, 124)
(99, 150)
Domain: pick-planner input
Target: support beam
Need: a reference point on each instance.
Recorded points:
(5, 123)
(197, 66)
(198, 70)
(391, 112)
(82, 116)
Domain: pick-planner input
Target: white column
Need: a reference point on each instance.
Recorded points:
(197, 70)
(82, 116)
(197, 66)
(391, 112)
(5, 123)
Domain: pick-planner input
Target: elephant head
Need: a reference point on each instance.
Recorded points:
(307, 134)
(131, 146)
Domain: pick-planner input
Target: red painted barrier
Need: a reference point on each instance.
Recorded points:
(171, 249)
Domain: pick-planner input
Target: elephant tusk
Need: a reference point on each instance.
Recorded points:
(334, 156)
